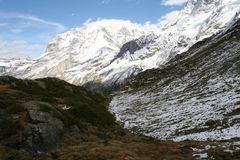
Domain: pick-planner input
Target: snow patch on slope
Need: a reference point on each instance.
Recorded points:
(14, 67)
(197, 97)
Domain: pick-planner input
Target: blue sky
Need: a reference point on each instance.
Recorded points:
(26, 26)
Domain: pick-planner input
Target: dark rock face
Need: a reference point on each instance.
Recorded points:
(45, 129)
(195, 96)
(130, 46)
(135, 45)
(120, 79)
(38, 128)
(2, 69)
(35, 114)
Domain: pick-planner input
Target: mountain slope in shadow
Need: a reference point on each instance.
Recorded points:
(196, 96)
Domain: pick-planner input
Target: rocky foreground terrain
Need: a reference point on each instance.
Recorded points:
(47, 119)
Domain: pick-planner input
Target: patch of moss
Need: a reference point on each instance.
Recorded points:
(237, 103)
(16, 108)
(234, 112)
(213, 123)
(7, 153)
(219, 153)
(237, 68)
(67, 118)
(194, 130)
(6, 101)
(44, 108)
(48, 99)
(93, 113)
(8, 128)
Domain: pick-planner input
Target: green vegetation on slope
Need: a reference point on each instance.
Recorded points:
(51, 119)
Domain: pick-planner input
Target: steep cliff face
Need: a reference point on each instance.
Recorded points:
(194, 96)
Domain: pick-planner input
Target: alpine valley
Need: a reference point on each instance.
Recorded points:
(177, 83)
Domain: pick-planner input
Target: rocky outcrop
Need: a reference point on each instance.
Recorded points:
(44, 125)
(34, 115)
(135, 45)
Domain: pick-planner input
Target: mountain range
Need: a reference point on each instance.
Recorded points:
(107, 52)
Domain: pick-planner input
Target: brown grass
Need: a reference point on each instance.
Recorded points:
(136, 148)
(7, 89)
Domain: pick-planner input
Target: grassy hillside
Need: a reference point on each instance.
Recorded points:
(51, 119)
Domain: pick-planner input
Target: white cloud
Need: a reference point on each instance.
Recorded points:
(128, 1)
(105, 1)
(19, 49)
(8, 15)
(16, 30)
(168, 18)
(14, 42)
(3, 24)
(135, 1)
(173, 2)
(89, 20)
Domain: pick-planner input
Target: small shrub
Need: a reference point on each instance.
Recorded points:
(48, 99)
(45, 108)
(15, 108)
(234, 112)
(6, 101)
(213, 123)
(8, 128)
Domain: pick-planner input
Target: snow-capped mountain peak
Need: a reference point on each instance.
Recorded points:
(80, 55)
(200, 19)
(107, 52)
